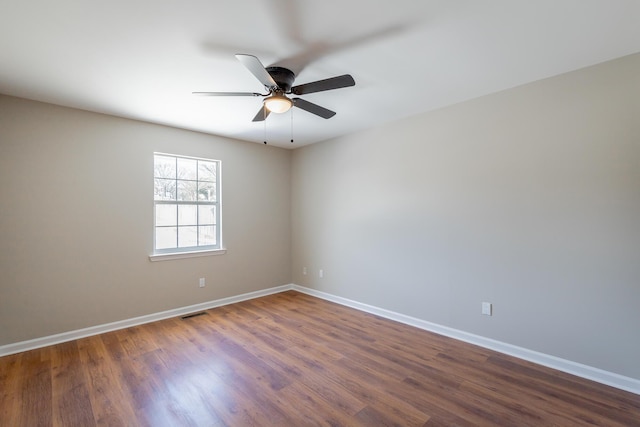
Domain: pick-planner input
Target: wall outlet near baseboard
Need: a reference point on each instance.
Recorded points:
(202, 282)
(487, 309)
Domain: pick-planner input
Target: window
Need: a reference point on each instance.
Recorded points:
(186, 204)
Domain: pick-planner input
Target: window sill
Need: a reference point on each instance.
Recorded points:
(181, 255)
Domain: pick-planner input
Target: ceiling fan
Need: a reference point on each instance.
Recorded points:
(278, 82)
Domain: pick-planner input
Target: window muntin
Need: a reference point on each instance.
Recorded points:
(186, 204)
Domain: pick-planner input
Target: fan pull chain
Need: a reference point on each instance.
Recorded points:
(264, 110)
(292, 125)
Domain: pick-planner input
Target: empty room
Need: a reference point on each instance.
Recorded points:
(341, 213)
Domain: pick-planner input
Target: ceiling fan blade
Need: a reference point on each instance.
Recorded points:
(254, 65)
(227, 94)
(327, 84)
(313, 108)
(262, 114)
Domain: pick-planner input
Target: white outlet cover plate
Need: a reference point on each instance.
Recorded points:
(486, 308)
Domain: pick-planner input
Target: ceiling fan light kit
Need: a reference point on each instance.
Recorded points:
(278, 103)
(278, 81)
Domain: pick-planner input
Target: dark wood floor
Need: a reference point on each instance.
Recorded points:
(293, 360)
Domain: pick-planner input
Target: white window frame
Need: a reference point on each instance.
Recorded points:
(190, 251)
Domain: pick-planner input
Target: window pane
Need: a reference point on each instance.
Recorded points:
(166, 215)
(206, 214)
(164, 167)
(164, 189)
(187, 169)
(186, 203)
(187, 236)
(207, 191)
(166, 237)
(187, 190)
(187, 215)
(206, 171)
(207, 235)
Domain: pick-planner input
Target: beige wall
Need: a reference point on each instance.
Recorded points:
(76, 217)
(528, 198)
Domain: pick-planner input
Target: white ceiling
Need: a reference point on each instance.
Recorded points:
(141, 59)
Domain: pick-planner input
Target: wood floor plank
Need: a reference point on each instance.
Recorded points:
(70, 394)
(278, 358)
(201, 378)
(290, 359)
(12, 383)
(362, 389)
(109, 399)
(36, 398)
(310, 408)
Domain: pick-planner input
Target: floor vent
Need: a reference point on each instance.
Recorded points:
(188, 316)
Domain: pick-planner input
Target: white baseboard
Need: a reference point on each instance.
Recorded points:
(595, 374)
(19, 347)
(604, 377)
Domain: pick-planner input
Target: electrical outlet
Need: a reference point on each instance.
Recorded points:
(202, 282)
(321, 273)
(304, 271)
(487, 308)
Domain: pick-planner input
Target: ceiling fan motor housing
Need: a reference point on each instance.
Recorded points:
(283, 77)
